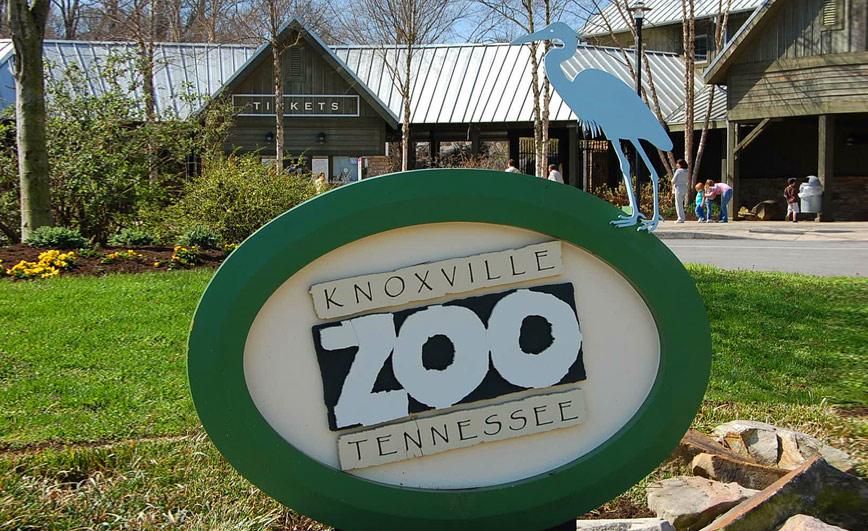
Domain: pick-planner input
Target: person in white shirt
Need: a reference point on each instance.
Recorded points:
(555, 175)
(510, 167)
(679, 188)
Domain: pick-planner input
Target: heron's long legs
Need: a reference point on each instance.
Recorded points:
(650, 224)
(635, 215)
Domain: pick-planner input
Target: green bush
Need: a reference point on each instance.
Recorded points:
(56, 238)
(132, 237)
(235, 196)
(108, 160)
(200, 236)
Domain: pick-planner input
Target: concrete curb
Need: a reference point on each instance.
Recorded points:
(684, 235)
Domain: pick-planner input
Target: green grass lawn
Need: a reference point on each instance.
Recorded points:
(97, 426)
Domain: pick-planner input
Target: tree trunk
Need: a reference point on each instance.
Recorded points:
(27, 26)
(719, 36)
(546, 95)
(405, 123)
(689, 36)
(279, 145)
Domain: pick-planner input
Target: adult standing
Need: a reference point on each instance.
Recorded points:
(555, 175)
(510, 167)
(680, 181)
(723, 190)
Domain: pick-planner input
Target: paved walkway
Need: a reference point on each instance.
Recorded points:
(804, 231)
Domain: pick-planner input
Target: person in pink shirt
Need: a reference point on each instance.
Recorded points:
(713, 190)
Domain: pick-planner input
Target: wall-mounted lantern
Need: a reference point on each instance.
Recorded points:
(269, 137)
(321, 138)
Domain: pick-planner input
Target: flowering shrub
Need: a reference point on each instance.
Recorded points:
(183, 257)
(49, 264)
(120, 256)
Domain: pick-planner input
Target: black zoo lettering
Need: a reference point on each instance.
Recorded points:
(438, 354)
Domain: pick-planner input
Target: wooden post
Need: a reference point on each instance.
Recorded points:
(434, 147)
(826, 163)
(731, 177)
(411, 155)
(474, 141)
(573, 155)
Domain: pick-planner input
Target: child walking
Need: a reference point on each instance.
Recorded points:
(701, 215)
(791, 194)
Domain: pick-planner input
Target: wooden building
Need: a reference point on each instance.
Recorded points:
(662, 29)
(797, 102)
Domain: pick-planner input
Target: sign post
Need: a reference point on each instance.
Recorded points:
(448, 349)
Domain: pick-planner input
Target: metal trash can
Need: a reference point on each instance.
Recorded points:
(811, 195)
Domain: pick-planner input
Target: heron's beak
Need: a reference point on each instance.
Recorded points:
(530, 37)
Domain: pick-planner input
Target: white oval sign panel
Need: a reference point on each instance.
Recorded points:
(446, 348)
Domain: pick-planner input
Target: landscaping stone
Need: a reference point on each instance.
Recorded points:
(796, 448)
(751, 439)
(815, 488)
(803, 522)
(772, 446)
(725, 469)
(627, 524)
(689, 503)
(695, 442)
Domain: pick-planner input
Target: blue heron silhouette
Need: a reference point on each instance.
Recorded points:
(604, 103)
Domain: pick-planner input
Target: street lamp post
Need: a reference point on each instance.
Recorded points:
(638, 9)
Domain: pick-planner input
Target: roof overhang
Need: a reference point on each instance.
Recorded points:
(715, 73)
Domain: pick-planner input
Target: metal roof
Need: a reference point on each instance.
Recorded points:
(662, 12)
(463, 83)
(183, 74)
(488, 83)
(700, 103)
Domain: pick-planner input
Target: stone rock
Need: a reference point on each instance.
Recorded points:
(725, 469)
(689, 503)
(695, 442)
(754, 440)
(815, 488)
(777, 447)
(628, 524)
(797, 447)
(803, 522)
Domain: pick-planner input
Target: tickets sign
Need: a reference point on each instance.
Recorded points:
(448, 348)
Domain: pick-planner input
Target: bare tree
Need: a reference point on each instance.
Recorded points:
(27, 21)
(617, 17)
(524, 15)
(69, 12)
(264, 21)
(398, 28)
(721, 23)
(688, 36)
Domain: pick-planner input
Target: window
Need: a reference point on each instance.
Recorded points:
(346, 169)
(700, 47)
(193, 165)
(833, 14)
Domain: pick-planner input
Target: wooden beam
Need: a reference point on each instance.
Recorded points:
(757, 131)
(731, 178)
(826, 163)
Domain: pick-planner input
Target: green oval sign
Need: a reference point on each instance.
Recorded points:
(448, 348)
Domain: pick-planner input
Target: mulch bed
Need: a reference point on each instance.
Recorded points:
(620, 507)
(11, 255)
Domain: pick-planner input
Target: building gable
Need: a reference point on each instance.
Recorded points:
(316, 82)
